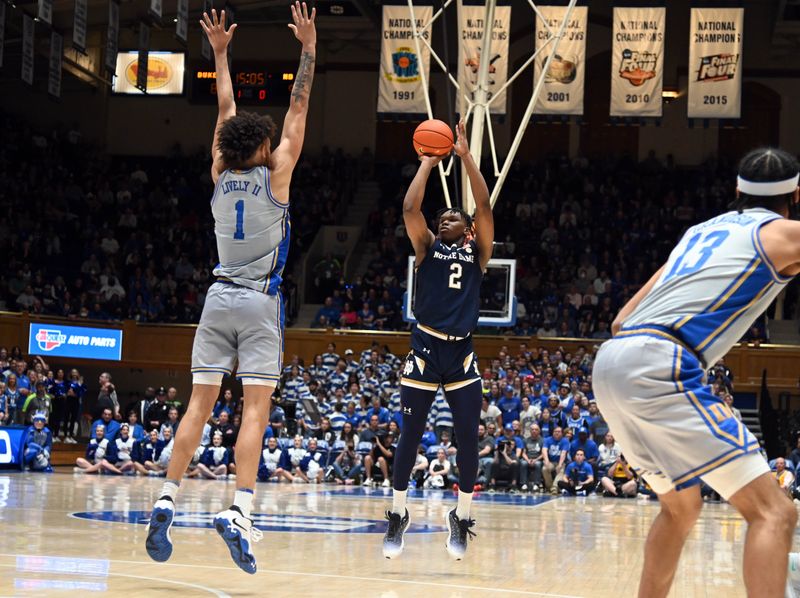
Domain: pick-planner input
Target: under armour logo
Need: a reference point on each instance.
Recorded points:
(428, 351)
(406, 410)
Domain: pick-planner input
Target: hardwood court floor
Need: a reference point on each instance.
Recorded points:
(65, 534)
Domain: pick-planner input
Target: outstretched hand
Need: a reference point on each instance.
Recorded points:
(461, 148)
(214, 27)
(431, 161)
(303, 26)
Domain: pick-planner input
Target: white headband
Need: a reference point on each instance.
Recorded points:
(768, 189)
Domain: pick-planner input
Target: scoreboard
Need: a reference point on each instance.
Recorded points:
(251, 86)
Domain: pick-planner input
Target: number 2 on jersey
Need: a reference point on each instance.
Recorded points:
(239, 233)
(706, 248)
(455, 276)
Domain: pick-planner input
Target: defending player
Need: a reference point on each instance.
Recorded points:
(651, 384)
(243, 315)
(449, 269)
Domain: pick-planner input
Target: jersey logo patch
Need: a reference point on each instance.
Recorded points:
(407, 411)
(420, 364)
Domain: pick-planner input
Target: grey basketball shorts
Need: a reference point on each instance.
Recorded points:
(240, 325)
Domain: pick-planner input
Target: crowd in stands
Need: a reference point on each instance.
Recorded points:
(338, 419)
(113, 238)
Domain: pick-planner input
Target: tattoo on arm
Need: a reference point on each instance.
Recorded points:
(305, 77)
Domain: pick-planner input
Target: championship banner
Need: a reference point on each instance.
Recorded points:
(637, 61)
(45, 11)
(27, 49)
(2, 30)
(56, 53)
(182, 22)
(562, 92)
(205, 47)
(470, 31)
(142, 62)
(156, 8)
(112, 36)
(715, 50)
(400, 85)
(79, 25)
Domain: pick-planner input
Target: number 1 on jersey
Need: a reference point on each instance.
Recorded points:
(239, 233)
(455, 276)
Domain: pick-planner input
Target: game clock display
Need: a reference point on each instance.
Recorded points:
(251, 87)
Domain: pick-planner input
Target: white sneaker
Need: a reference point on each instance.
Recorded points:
(77, 470)
(386, 484)
(239, 534)
(55, 439)
(793, 576)
(524, 487)
(367, 482)
(231, 476)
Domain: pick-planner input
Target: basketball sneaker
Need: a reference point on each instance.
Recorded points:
(239, 534)
(793, 576)
(458, 533)
(159, 543)
(393, 540)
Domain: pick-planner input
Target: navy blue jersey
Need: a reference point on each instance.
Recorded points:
(448, 285)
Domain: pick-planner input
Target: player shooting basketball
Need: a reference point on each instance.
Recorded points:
(243, 315)
(450, 267)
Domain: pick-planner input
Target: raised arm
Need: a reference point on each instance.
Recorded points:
(417, 229)
(219, 39)
(484, 220)
(288, 151)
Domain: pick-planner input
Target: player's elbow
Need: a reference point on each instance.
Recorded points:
(616, 326)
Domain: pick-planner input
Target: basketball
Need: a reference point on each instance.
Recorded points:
(433, 138)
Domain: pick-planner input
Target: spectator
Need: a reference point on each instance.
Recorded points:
(39, 402)
(107, 397)
(347, 465)
(329, 311)
(76, 389)
(490, 413)
(555, 453)
(37, 445)
(438, 471)
(587, 445)
(531, 461)
(125, 450)
(578, 477)
(110, 427)
(784, 477)
(486, 444)
(382, 455)
(505, 466)
(620, 480)
(528, 415)
(420, 469)
(13, 399)
(382, 412)
(509, 405)
(149, 453)
(311, 467)
(269, 467)
(58, 391)
(158, 411)
(213, 464)
(575, 420)
(99, 454)
(728, 399)
(136, 430)
(172, 422)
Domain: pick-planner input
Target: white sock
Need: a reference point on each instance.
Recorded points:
(244, 500)
(464, 503)
(399, 502)
(170, 488)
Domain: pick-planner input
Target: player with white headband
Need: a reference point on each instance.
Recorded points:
(650, 378)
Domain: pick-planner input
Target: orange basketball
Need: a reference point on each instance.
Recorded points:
(433, 138)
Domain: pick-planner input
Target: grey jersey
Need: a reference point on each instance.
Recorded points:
(717, 281)
(252, 230)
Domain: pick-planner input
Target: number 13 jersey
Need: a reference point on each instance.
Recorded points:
(717, 281)
(448, 285)
(252, 230)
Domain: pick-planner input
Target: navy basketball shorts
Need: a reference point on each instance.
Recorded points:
(434, 362)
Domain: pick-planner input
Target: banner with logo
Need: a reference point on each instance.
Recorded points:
(2, 30)
(470, 31)
(80, 342)
(142, 62)
(56, 53)
(400, 85)
(156, 8)
(11, 439)
(715, 73)
(112, 36)
(205, 47)
(79, 25)
(27, 49)
(182, 22)
(564, 82)
(637, 61)
(45, 11)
